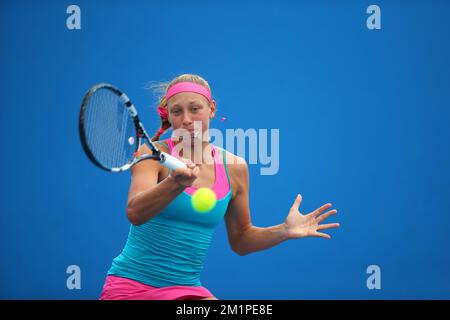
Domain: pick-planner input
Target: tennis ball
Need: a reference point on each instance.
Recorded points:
(203, 200)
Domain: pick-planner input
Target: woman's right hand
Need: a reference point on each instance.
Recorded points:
(185, 176)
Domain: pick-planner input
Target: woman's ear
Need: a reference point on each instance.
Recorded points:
(212, 106)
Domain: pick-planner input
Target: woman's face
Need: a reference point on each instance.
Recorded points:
(189, 111)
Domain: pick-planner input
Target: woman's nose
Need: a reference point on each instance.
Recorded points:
(186, 118)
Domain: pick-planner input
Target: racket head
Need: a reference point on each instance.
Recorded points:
(108, 131)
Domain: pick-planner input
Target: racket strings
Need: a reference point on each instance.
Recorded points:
(109, 128)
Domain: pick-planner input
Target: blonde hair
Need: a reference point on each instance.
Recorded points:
(161, 89)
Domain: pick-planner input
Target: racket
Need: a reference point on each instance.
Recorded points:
(111, 132)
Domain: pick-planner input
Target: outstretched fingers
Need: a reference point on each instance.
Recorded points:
(321, 210)
(327, 226)
(297, 202)
(326, 215)
(321, 235)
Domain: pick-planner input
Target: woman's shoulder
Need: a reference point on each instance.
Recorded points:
(162, 145)
(234, 162)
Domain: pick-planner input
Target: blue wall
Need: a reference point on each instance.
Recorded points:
(363, 118)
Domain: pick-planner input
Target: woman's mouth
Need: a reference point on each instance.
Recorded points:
(192, 134)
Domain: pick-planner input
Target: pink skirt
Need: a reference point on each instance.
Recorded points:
(118, 288)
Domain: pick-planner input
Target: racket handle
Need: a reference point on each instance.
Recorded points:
(171, 162)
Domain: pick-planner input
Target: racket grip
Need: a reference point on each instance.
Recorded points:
(171, 162)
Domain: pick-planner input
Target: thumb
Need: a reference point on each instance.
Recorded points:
(195, 171)
(297, 202)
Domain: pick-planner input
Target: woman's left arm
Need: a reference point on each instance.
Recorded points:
(244, 238)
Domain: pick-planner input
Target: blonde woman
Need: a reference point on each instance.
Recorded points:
(167, 243)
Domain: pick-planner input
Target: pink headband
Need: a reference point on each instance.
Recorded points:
(188, 87)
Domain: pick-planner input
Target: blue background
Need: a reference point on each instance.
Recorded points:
(363, 118)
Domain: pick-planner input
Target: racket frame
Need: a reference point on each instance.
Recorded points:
(141, 134)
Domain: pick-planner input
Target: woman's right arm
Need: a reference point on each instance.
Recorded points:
(146, 197)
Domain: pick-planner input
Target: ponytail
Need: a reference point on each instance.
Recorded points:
(164, 116)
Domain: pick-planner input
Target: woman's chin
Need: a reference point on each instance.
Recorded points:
(194, 136)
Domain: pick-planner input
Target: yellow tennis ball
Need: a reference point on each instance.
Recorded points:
(203, 200)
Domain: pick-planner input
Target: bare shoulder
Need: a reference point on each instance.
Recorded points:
(144, 149)
(146, 166)
(162, 145)
(234, 162)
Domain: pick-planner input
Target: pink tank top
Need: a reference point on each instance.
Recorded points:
(221, 182)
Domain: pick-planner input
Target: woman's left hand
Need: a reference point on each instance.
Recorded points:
(298, 225)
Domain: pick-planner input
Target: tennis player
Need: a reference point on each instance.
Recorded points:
(167, 243)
